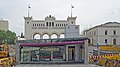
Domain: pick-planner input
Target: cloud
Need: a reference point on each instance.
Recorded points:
(88, 12)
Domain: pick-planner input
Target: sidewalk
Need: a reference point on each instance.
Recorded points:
(57, 65)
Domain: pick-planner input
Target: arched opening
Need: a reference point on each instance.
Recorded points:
(53, 36)
(89, 41)
(45, 36)
(36, 36)
(62, 36)
(114, 41)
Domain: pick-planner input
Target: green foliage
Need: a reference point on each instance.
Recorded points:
(7, 37)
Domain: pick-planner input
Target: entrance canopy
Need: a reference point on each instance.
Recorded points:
(51, 42)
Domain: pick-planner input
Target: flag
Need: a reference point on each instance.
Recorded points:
(72, 6)
(29, 6)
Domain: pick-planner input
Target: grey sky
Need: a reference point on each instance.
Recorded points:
(89, 12)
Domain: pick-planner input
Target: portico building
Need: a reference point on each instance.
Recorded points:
(50, 27)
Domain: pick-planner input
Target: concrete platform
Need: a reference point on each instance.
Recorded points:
(56, 65)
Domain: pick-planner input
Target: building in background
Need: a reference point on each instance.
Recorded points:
(4, 24)
(50, 26)
(104, 34)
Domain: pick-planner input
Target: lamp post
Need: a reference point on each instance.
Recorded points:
(98, 49)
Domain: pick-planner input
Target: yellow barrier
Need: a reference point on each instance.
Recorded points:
(110, 48)
(109, 60)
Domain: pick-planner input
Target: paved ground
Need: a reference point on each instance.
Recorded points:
(56, 65)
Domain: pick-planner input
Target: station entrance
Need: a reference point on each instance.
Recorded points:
(71, 53)
(63, 50)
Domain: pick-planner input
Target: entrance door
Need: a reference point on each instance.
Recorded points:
(71, 53)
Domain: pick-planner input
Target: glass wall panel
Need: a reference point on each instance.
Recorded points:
(47, 53)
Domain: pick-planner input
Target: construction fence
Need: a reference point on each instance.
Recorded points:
(108, 60)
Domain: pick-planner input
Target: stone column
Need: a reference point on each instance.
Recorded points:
(51, 55)
(58, 36)
(77, 52)
(66, 53)
(80, 49)
(49, 36)
(41, 37)
(86, 52)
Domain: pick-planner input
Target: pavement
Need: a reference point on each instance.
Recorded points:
(57, 65)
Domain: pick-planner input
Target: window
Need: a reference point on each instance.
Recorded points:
(60, 24)
(89, 41)
(76, 27)
(52, 23)
(43, 24)
(105, 32)
(27, 22)
(105, 41)
(56, 24)
(39, 24)
(47, 24)
(114, 32)
(94, 32)
(71, 22)
(114, 41)
(33, 24)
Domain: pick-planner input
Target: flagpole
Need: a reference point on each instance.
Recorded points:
(71, 10)
(28, 10)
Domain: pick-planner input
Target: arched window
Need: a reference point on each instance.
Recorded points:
(45, 36)
(36, 36)
(52, 23)
(114, 41)
(114, 32)
(88, 41)
(46, 23)
(49, 23)
(62, 35)
(105, 32)
(105, 41)
(53, 36)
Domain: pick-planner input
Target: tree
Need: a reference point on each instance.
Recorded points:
(7, 37)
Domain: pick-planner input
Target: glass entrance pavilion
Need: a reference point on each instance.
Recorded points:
(64, 50)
